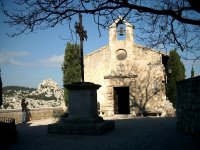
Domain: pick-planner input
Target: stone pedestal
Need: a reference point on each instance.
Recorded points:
(83, 114)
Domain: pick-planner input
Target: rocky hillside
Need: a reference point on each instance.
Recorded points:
(48, 94)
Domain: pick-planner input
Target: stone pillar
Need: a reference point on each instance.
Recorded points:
(83, 114)
(83, 103)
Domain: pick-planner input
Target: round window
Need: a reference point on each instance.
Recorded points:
(121, 54)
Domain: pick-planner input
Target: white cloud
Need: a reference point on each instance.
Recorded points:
(9, 57)
(53, 61)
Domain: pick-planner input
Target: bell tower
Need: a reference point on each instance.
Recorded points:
(121, 47)
(120, 28)
(121, 41)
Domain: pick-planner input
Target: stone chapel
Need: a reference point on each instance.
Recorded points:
(132, 77)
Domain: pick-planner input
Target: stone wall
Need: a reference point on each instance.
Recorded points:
(123, 63)
(188, 107)
(33, 114)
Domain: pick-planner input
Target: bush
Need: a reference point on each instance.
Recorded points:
(5, 106)
(42, 96)
(58, 113)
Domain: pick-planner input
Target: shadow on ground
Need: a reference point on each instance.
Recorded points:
(129, 134)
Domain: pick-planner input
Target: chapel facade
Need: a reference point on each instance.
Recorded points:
(132, 77)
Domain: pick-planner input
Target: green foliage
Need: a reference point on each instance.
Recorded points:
(192, 72)
(71, 67)
(5, 105)
(18, 88)
(177, 74)
(58, 113)
(41, 96)
(9, 91)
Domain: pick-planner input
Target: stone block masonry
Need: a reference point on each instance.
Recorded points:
(125, 69)
(33, 114)
(188, 107)
(83, 113)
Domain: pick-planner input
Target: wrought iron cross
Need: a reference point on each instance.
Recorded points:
(83, 36)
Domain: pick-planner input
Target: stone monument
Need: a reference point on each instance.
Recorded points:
(83, 114)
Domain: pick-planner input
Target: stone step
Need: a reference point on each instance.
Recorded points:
(120, 116)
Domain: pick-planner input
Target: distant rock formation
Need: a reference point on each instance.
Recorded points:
(48, 94)
(50, 89)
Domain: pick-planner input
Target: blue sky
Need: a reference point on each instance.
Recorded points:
(26, 60)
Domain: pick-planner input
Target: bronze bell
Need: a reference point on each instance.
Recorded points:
(121, 31)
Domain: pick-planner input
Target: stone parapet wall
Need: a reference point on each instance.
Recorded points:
(33, 114)
(188, 107)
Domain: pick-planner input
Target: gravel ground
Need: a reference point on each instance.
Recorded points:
(129, 134)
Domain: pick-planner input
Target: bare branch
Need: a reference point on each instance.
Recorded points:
(159, 22)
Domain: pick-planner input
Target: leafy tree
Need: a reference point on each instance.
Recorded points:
(192, 72)
(177, 73)
(71, 67)
(160, 22)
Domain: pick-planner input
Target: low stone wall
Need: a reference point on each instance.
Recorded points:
(188, 107)
(32, 114)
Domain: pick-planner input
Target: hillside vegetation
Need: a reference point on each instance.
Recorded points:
(18, 88)
(47, 94)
